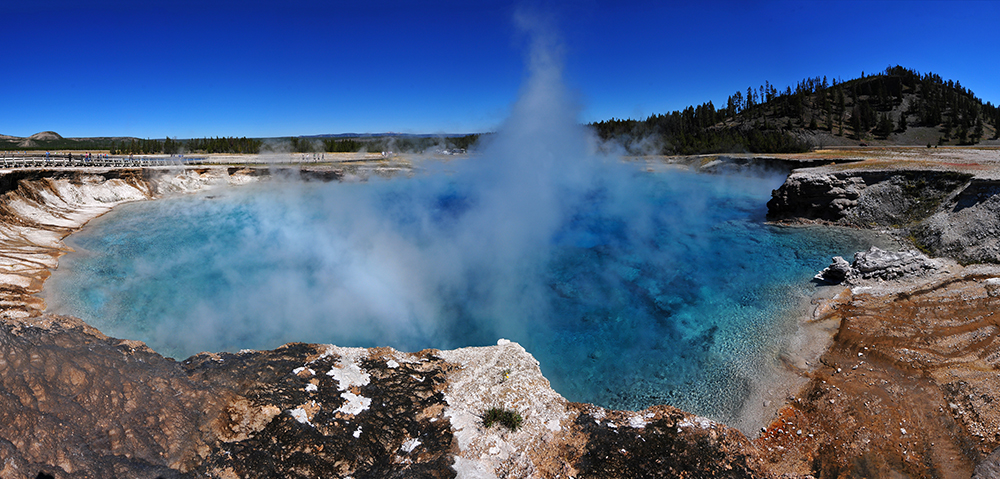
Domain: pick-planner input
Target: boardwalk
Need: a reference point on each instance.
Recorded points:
(9, 160)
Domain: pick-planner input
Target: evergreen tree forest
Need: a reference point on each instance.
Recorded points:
(766, 120)
(407, 144)
(196, 145)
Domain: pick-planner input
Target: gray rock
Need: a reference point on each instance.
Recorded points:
(967, 227)
(953, 214)
(880, 264)
(837, 272)
(989, 468)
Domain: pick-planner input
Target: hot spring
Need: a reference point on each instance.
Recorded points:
(632, 288)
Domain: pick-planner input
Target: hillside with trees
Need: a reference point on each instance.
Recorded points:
(895, 107)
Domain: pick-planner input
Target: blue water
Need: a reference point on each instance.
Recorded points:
(660, 288)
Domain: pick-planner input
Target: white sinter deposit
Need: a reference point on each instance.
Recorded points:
(505, 376)
(41, 211)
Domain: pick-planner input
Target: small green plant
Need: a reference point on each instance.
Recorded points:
(505, 417)
(920, 245)
(505, 375)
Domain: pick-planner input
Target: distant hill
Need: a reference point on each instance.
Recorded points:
(46, 136)
(894, 107)
(50, 140)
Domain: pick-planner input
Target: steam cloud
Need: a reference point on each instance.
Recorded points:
(535, 235)
(404, 261)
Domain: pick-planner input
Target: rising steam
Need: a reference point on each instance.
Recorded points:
(632, 288)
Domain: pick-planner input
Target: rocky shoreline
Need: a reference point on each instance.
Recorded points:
(81, 404)
(946, 205)
(906, 389)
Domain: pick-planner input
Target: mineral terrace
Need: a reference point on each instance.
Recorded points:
(907, 387)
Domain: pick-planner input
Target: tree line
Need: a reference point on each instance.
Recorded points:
(765, 119)
(195, 145)
(400, 144)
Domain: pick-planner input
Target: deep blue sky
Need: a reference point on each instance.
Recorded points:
(187, 68)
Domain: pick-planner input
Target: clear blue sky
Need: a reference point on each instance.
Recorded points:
(187, 68)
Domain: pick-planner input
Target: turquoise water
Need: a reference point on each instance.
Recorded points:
(636, 289)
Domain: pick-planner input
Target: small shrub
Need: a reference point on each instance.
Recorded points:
(505, 417)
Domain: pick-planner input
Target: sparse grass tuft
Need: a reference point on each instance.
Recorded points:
(505, 417)
(920, 245)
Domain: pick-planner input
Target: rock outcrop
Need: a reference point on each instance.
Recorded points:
(79, 405)
(908, 387)
(967, 225)
(863, 197)
(947, 213)
(879, 264)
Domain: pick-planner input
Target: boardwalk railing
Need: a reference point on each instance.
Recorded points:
(65, 160)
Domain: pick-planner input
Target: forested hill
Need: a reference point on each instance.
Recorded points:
(895, 107)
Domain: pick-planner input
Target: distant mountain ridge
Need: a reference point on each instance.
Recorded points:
(895, 107)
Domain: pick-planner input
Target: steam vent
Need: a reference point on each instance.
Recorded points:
(903, 387)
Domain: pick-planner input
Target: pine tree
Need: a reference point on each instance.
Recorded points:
(963, 135)
(856, 122)
(884, 126)
(977, 132)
